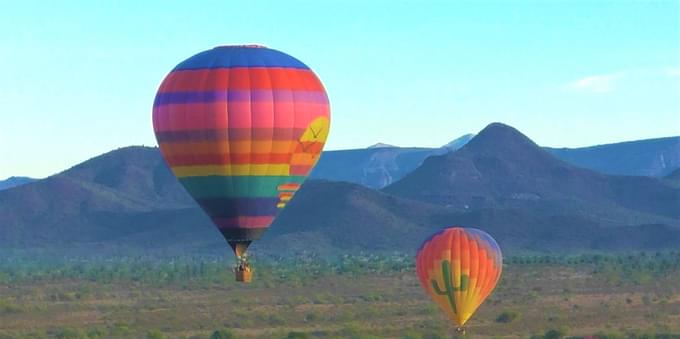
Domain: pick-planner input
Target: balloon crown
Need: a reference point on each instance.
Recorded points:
(244, 46)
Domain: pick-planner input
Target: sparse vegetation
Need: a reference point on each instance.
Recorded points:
(357, 296)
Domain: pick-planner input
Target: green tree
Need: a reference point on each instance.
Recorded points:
(223, 334)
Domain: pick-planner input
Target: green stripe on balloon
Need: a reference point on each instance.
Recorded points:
(236, 186)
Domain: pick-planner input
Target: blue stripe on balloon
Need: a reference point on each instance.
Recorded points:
(489, 242)
(240, 56)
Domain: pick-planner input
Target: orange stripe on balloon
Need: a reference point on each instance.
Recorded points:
(285, 194)
(288, 187)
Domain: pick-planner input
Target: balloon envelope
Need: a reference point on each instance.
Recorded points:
(241, 127)
(459, 267)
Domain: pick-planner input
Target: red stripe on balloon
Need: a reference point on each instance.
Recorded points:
(243, 222)
(300, 169)
(241, 78)
(227, 159)
(215, 115)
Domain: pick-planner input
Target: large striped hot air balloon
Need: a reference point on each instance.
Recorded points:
(241, 128)
(459, 267)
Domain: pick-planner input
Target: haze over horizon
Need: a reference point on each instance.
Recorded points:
(80, 78)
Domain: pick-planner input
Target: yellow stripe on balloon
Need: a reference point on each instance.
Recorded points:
(244, 170)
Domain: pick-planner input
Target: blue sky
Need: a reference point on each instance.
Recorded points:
(78, 78)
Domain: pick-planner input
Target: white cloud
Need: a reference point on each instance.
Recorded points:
(673, 71)
(603, 83)
(606, 83)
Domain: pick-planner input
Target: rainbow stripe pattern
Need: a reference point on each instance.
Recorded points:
(241, 128)
(459, 268)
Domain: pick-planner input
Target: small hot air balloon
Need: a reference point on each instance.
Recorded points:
(241, 128)
(459, 267)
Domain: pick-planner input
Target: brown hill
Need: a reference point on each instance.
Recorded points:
(502, 168)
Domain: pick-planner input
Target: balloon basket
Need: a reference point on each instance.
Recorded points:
(244, 276)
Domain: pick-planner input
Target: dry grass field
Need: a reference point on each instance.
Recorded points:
(359, 298)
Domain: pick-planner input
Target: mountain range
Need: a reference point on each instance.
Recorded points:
(381, 165)
(651, 157)
(499, 181)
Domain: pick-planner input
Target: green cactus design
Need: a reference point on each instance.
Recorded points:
(446, 272)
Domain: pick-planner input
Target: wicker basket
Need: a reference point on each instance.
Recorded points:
(244, 276)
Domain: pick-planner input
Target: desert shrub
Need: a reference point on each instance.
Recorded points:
(351, 330)
(555, 334)
(69, 333)
(507, 317)
(639, 334)
(31, 335)
(312, 317)
(155, 334)
(120, 330)
(297, 335)
(411, 335)
(430, 309)
(9, 307)
(95, 333)
(609, 335)
(273, 319)
(223, 334)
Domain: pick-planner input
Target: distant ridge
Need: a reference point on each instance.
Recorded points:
(379, 165)
(459, 142)
(650, 157)
(15, 181)
(381, 145)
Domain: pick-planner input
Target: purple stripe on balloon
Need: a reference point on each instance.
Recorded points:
(194, 97)
(230, 134)
(235, 207)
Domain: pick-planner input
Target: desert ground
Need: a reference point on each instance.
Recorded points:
(361, 296)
